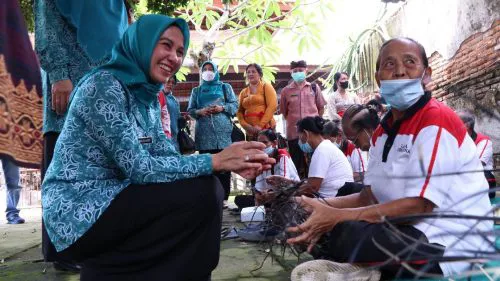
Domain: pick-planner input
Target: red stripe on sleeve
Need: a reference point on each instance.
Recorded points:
(431, 164)
(481, 155)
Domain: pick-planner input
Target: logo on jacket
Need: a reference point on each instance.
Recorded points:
(404, 148)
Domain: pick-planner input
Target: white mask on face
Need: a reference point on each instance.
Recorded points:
(207, 75)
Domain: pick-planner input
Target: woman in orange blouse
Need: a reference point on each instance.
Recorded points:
(258, 102)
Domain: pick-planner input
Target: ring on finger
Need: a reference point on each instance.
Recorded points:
(247, 158)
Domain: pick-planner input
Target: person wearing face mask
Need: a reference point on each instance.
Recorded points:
(340, 99)
(333, 131)
(299, 99)
(420, 164)
(213, 104)
(329, 169)
(284, 165)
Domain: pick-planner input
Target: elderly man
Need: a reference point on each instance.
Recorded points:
(418, 171)
(484, 148)
(299, 99)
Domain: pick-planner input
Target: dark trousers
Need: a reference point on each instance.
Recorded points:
(355, 242)
(48, 250)
(165, 231)
(298, 157)
(224, 177)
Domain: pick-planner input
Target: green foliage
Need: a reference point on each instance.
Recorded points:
(359, 58)
(182, 73)
(27, 11)
(250, 27)
(166, 7)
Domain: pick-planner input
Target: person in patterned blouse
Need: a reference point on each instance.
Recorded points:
(71, 38)
(118, 196)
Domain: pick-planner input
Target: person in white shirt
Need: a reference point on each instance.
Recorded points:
(484, 147)
(329, 169)
(284, 166)
(340, 99)
(333, 132)
(419, 172)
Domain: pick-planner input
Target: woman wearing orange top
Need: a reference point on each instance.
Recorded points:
(258, 102)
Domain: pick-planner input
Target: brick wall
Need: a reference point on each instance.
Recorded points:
(471, 80)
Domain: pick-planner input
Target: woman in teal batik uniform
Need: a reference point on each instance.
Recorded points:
(213, 105)
(117, 195)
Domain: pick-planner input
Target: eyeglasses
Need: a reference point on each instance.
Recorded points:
(353, 140)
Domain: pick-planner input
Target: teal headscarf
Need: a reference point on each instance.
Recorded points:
(131, 57)
(210, 91)
(99, 24)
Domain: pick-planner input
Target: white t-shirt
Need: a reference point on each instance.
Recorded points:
(284, 167)
(356, 157)
(331, 165)
(430, 143)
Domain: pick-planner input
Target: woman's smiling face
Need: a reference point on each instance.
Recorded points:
(168, 55)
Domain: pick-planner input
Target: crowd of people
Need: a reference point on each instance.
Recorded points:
(122, 202)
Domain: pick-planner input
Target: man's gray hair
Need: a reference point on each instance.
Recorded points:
(468, 118)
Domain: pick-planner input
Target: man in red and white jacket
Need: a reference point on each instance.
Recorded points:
(484, 147)
(420, 171)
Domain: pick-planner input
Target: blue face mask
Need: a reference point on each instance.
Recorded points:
(269, 150)
(401, 93)
(299, 76)
(305, 147)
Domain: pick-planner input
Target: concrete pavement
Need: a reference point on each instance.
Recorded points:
(21, 258)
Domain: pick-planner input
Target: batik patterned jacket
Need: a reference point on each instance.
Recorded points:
(105, 145)
(60, 55)
(213, 132)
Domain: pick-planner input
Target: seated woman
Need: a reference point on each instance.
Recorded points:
(329, 169)
(333, 132)
(284, 165)
(118, 196)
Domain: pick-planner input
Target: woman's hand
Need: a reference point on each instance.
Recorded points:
(245, 158)
(61, 91)
(203, 112)
(216, 109)
(322, 220)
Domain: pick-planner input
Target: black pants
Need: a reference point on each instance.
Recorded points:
(224, 177)
(166, 231)
(48, 250)
(298, 157)
(350, 188)
(354, 242)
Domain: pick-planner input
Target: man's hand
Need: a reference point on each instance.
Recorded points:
(322, 220)
(61, 91)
